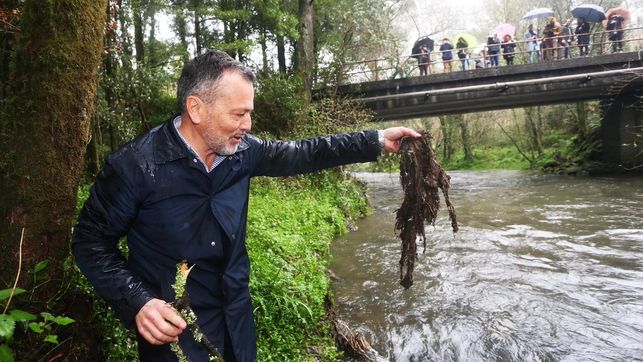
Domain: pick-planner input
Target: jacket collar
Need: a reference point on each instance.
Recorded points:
(169, 147)
(167, 144)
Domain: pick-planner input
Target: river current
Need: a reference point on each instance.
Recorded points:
(544, 268)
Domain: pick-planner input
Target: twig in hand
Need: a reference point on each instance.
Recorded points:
(182, 306)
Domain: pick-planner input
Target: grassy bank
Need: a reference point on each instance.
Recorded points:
(290, 225)
(488, 159)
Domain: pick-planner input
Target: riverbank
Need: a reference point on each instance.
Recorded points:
(566, 158)
(291, 223)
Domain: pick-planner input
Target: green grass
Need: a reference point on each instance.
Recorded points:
(290, 226)
(489, 159)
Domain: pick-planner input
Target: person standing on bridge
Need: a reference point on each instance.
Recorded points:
(565, 40)
(424, 59)
(508, 49)
(447, 55)
(531, 37)
(180, 192)
(582, 36)
(493, 48)
(550, 34)
(462, 46)
(615, 35)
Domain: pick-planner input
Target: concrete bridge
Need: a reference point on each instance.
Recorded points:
(614, 79)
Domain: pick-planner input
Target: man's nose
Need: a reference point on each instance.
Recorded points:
(246, 124)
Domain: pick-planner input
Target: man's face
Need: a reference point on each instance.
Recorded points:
(227, 118)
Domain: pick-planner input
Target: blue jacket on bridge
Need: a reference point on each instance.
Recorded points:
(446, 49)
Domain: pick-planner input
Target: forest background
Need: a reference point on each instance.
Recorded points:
(79, 78)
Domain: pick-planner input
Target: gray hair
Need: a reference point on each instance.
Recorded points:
(200, 76)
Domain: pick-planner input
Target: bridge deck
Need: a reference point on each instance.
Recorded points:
(562, 81)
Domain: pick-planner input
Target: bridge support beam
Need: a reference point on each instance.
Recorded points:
(622, 132)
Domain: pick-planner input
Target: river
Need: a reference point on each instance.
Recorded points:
(544, 268)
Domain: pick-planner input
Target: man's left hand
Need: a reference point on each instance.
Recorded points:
(393, 135)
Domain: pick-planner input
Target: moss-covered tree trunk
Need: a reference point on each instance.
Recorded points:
(46, 123)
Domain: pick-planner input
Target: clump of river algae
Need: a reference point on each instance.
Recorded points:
(421, 177)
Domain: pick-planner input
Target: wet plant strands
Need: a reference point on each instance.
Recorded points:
(421, 176)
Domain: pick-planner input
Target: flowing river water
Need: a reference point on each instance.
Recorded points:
(544, 268)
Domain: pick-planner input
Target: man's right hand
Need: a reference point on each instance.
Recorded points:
(159, 323)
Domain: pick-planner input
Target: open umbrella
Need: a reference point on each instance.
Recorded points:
(590, 12)
(504, 29)
(620, 11)
(418, 43)
(538, 13)
(468, 38)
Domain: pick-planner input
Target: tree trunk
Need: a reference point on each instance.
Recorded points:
(447, 138)
(181, 28)
(281, 54)
(581, 113)
(8, 36)
(198, 36)
(466, 138)
(139, 32)
(125, 39)
(47, 119)
(340, 66)
(534, 122)
(265, 66)
(305, 49)
(109, 64)
(153, 53)
(93, 152)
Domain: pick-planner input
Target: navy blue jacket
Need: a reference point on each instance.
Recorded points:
(446, 48)
(154, 191)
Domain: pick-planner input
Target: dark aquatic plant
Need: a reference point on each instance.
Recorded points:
(421, 176)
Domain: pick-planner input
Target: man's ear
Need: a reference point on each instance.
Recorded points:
(193, 105)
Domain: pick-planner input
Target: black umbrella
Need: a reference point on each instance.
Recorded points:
(590, 12)
(415, 52)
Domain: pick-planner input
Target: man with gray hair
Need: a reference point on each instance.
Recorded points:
(180, 192)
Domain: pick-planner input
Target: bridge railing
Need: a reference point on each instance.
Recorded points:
(406, 65)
